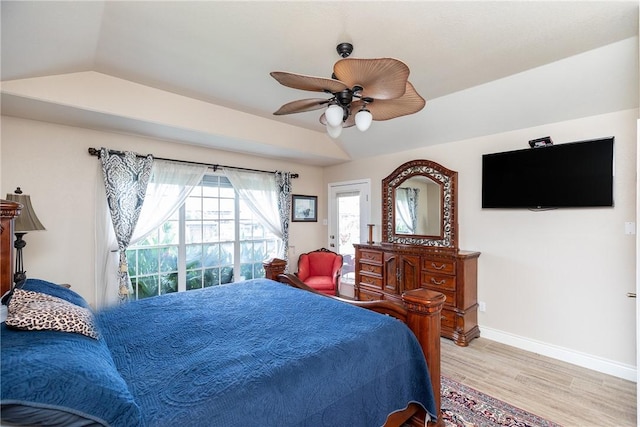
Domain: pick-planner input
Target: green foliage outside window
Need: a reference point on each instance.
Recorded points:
(209, 218)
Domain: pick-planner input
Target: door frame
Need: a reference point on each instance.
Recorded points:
(637, 219)
(365, 215)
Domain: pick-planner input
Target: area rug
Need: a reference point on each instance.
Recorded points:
(463, 406)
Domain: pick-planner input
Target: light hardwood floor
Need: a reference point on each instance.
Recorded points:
(560, 392)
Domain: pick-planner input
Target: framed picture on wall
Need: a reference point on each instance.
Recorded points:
(304, 208)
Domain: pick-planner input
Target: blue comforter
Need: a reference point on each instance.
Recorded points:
(260, 353)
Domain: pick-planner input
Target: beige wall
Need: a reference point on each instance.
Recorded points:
(50, 163)
(553, 281)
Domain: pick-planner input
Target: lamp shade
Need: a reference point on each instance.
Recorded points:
(334, 115)
(334, 131)
(27, 220)
(363, 119)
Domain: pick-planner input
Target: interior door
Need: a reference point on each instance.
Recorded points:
(349, 213)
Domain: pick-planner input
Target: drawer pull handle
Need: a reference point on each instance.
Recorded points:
(438, 267)
(438, 282)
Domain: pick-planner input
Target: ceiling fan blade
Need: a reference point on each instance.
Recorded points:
(301, 106)
(382, 78)
(385, 109)
(316, 84)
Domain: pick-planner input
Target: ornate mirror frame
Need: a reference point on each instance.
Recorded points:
(448, 182)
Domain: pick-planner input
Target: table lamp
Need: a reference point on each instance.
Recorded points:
(25, 222)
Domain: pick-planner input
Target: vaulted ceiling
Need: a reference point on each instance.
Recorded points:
(215, 57)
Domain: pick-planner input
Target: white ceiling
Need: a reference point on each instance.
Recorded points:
(221, 52)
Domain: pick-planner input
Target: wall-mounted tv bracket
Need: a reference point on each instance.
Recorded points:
(541, 142)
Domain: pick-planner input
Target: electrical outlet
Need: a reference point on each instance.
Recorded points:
(630, 228)
(482, 306)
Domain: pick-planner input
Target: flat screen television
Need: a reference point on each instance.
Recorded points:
(571, 175)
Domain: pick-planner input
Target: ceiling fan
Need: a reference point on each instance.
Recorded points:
(361, 90)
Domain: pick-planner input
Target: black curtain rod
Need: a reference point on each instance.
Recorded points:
(96, 152)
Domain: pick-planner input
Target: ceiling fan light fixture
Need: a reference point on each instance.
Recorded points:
(356, 85)
(334, 131)
(334, 115)
(363, 119)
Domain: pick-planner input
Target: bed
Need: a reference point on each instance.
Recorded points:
(260, 352)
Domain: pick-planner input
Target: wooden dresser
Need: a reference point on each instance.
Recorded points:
(386, 271)
(8, 211)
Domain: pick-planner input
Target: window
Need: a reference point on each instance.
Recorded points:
(212, 239)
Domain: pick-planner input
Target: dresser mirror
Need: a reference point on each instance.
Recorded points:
(419, 205)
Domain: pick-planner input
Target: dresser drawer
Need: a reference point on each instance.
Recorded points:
(373, 256)
(447, 319)
(368, 295)
(438, 282)
(371, 281)
(450, 300)
(371, 269)
(443, 266)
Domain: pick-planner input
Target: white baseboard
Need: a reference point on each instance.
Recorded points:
(609, 367)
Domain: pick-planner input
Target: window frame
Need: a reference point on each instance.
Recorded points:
(268, 241)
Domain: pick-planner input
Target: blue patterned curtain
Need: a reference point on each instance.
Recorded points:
(283, 183)
(125, 180)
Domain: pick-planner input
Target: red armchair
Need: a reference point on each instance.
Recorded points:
(320, 270)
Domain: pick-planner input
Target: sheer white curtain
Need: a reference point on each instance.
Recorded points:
(403, 216)
(406, 210)
(259, 191)
(169, 185)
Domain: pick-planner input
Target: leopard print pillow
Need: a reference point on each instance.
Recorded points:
(34, 311)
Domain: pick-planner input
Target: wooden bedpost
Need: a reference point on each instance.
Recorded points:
(274, 267)
(423, 317)
(8, 211)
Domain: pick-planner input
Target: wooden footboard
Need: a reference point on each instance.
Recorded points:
(420, 311)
